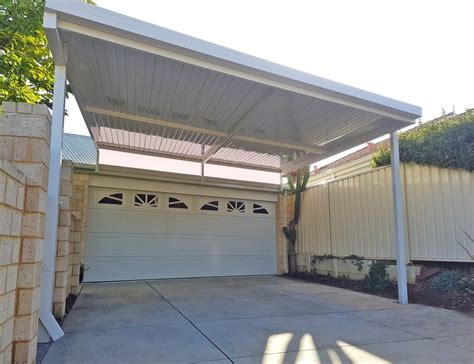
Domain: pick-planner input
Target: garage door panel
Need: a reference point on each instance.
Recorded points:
(127, 221)
(131, 268)
(125, 242)
(165, 245)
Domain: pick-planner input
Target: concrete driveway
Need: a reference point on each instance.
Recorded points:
(254, 320)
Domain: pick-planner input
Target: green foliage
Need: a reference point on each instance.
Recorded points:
(358, 261)
(377, 280)
(26, 65)
(447, 144)
(466, 284)
(446, 281)
(381, 157)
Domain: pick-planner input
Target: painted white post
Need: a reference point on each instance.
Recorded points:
(399, 221)
(52, 209)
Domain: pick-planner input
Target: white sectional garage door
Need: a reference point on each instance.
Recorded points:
(146, 235)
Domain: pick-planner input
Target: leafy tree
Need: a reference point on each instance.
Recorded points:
(448, 143)
(26, 64)
(297, 186)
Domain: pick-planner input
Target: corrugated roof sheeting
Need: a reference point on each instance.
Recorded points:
(79, 149)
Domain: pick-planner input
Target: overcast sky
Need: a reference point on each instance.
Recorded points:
(415, 51)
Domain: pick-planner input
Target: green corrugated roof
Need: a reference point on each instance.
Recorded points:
(79, 149)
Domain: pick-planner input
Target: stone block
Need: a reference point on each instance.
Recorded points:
(66, 188)
(65, 218)
(26, 327)
(33, 224)
(7, 305)
(59, 309)
(16, 224)
(29, 275)
(6, 247)
(20, 201)
(3, 186)
(3, 279)
(28, 300)
(25, 352)
(62, 249)
(60, 295)
(32, 250)
(24, 108)
(61, 264)
(63, 233)
(65, 202)
(5, 220)
(12, 276)
(61, 279)
(11, 192)
(7, 335)
(36, 199)
(9, 107)
(36, 173)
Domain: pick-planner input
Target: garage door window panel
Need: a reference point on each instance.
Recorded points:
(112, 199)
(175, 203)
(146, 200)
(210, 206)
(235, 206)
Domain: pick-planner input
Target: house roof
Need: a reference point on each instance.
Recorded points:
(144, 88)
(79, 149)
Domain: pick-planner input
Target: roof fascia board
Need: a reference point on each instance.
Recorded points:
(102, 23)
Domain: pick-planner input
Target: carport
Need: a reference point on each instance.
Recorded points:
(149, 90)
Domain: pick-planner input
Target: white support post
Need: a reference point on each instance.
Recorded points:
(52, 209)
(399, 221)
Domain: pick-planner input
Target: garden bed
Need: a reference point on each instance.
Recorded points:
(419, 292)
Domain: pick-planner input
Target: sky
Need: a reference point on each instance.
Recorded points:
(419, 51)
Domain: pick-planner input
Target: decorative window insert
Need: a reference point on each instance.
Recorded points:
(113, 199)
(146, 200)
(259, 209)
(174, 203)
(210, 206)
(236, 206)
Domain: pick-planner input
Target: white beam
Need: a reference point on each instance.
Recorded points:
(399, 220)
(52, 208)
(228, 135)
(50, 21)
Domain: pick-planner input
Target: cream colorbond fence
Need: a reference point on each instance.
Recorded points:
(354, 215)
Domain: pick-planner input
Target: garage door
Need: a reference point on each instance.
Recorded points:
(147, 235)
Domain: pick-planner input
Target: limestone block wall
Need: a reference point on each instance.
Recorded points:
(284, 205)
(25, 132)
(64, 253)
(79, 206)
(12, 194)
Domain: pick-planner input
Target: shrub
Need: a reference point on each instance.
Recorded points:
(377, 280)
(448, 143)
(446, 281)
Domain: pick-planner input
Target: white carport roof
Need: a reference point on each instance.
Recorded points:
(143, 88)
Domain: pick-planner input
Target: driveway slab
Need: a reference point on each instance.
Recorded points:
(205, 309)
(292, 289)
(212, 291)
(173, 343)
(260, 319)
(246, 337)
(422, 320)
(424, 351)
(117, 293)
(349, 301)
(118, 316)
